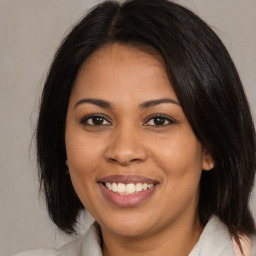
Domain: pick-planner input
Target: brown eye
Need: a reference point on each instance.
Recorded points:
(95, 120)
(159, 120)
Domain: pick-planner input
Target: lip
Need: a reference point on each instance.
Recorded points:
(127, 200)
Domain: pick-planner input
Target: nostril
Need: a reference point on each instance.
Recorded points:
(123, 162)
(125, 149)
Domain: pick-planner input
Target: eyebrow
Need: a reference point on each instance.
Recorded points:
(97, 102)
(152, 103)
(106, 104)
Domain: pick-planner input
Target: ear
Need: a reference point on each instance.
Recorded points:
(208, 162)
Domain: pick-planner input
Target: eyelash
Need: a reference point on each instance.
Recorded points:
(164, 118)
(85, 119)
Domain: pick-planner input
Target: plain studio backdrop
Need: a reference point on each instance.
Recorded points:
(30, 32)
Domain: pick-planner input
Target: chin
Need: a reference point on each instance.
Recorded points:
(128, 226)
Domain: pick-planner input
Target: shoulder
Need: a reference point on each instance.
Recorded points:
(216, 238)
(72, 248)
(39, 252)
(253, 243)
(84, 245)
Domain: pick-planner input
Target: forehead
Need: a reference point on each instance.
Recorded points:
(123, 71)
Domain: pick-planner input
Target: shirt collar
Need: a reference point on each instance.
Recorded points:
(215, 240)
(91, 245)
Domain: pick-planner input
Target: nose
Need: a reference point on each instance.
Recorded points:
(125, 147)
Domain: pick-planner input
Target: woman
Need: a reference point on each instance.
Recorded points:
(144, 123)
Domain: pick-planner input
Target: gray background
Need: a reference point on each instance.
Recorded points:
(30, 32)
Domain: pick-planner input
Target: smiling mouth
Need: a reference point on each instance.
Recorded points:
(127, 189)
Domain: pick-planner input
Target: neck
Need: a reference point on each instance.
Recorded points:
(178, 238)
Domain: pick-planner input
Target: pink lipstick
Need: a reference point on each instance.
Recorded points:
(127, 191)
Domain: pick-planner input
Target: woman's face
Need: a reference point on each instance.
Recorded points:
(126, 130)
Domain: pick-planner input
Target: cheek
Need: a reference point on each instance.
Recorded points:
(181, 163)
(82, 155)
(180, 156)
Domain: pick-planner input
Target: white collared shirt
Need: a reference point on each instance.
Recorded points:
(215, 240)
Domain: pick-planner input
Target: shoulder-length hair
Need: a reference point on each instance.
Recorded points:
(205, 81)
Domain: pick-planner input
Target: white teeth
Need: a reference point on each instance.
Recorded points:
(114, 187)
(144, 186)
(138, 187)
(128, 189)
(109, 186)
(121, 188)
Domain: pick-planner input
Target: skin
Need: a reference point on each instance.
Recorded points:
(127, 141)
